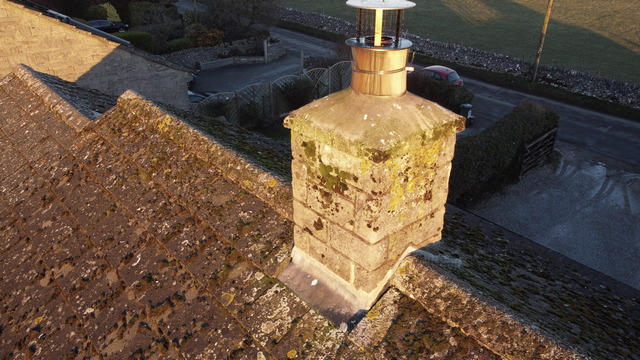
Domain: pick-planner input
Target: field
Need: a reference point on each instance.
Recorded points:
(601, 38)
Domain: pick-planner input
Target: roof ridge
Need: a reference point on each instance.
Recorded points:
(266, 186)
(435, 290)
(65, 111)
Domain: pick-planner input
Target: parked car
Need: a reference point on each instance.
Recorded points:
(108, 26)
(443, 73)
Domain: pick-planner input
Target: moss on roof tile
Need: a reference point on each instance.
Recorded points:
(556, 296)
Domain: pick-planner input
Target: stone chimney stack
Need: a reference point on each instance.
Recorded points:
(370, 165)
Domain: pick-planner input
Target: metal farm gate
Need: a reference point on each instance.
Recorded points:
(536, 152)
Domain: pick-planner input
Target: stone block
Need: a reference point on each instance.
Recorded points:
(302, 239)
(336, 262)
(371, 280)
(418, 234)
(310, 221)
(377, 218)
(299, 177)
(333, 206)
(332, 179)
(369, 256)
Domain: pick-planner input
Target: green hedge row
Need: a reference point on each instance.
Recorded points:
(485, 162)
(447, 95)
(138, 39)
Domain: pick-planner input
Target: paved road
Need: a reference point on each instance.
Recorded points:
(295, 42)
(187, 5)
(606, 135)
(235, 77)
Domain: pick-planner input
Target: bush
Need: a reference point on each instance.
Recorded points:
(297, 93)
(112, 14)
(447, 95)
(162, 34)
(203, 36)
(146, 13)
(179, 44)
(138, 39)
(96, 12)
(250, 115)
(485, 162)
(189, 18)
(103, 11)
(216, 109)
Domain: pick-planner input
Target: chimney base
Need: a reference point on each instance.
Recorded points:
(370, 179)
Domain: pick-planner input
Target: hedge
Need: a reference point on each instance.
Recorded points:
(138, 39)
(485, 162)
(447, 95)
(179, 44)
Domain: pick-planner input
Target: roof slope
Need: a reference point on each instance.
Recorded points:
(484, 273)
(119, 238)
(135, 235)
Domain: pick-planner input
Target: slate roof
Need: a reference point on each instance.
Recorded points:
(151, 233)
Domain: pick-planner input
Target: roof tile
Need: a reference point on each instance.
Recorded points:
(44, 152)
(67, 249)
(10, 233)
(10, 158)
(237, 284)
(273, 314)
(180, 260)
(223, 337)
(56, 166)
(312, 338)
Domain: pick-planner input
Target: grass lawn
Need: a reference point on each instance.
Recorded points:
(590, 35)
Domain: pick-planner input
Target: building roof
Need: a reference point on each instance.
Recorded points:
(147, 232)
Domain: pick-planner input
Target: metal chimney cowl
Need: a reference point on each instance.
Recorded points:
(379, 53)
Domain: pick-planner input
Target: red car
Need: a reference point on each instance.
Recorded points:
(443, 73)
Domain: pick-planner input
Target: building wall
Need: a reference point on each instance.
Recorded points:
(51, 46)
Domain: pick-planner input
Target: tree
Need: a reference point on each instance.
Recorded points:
(122, 7)
(234, 17)
(73, 8)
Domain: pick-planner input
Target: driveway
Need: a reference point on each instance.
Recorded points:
(235, 77)
(585, 206)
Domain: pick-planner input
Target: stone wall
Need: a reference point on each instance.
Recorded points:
(53, 47)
